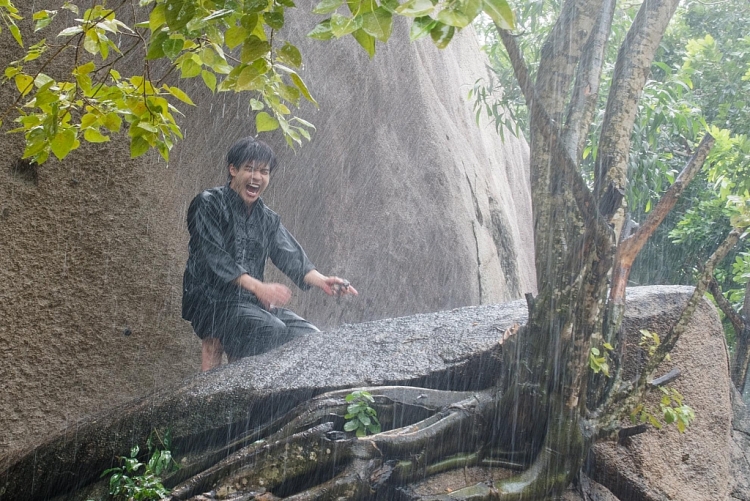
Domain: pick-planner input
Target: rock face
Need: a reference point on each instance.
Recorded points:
(454, 350)
(662, 464)
(399, 191)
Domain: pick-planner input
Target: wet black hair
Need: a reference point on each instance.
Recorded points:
(249, 149)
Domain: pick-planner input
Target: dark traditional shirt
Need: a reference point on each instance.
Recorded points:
(226, 241)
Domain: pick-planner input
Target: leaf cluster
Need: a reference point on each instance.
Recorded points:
(361, 417)
(599, 359)
(672, 410)
(138, 481)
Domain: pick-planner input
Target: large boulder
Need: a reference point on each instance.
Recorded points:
(399, 191)
(452, 350)
(664, 464)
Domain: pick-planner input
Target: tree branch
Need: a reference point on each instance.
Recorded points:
(630, 246)
(631, 70)
(725, 306)
(671, 338)
(582, 105)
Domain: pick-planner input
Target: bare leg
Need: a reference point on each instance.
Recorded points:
(211, 353)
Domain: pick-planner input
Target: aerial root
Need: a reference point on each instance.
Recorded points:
(352, 468)
(261, 464)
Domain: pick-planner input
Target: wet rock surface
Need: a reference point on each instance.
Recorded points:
(664, 464)
(456, 350)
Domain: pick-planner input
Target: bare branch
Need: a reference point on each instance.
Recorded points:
(630, 246)
(725, 306)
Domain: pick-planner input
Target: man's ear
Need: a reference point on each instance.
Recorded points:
(232, 170)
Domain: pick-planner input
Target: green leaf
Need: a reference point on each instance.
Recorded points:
(63, 143)
(189, 68)
(274, 19)
(378, 23)
(421, 27)
(364, 419)
(172, 47)
(342, 25)
(322, 31)
(157, 18)
(256, 5)
(178, 13)
(235, 36)
(442, 34)
(327, 6)
(366, 41)
(155, 46)
(112, 121)
(500, 12)
(138, 146)
(302, 87)
(290, 54)
(254, 48)
(256, 105)
(415, 8)
(179, 94)
(351, 426)
(209, 79)
(453, 18)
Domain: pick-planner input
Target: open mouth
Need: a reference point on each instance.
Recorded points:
(252, 190)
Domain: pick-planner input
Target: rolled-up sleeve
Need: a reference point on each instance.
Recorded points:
(207, 243)
(288, 256)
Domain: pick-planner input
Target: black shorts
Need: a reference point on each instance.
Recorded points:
(246, 329)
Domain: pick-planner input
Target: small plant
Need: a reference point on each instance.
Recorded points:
(650, 341)
(361, 418)
(672, 408)
(128, 483)
(598, 361)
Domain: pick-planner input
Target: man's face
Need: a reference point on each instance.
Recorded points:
(249, 181)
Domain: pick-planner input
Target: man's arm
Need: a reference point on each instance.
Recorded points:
(333, 286)
(270, 294)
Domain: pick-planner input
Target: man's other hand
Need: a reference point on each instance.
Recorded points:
(272, 294)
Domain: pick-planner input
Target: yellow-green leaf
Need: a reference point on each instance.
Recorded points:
(235, 36)
(94, 136)
(24, 83)
(500, 12)
(209, 79)
(63, 142)
(265, 122)
(302, 87)
(138, 146)
(179, 94)
(378, 23)
(327, 6)
(366, 41)
(415, 8)
(157, 19)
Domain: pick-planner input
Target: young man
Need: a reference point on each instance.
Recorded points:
(232, 233)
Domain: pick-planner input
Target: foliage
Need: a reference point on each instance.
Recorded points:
(599, 359)
(361, 418)
(232, 45)
(698, 84)
(126, 481)
(671, 408)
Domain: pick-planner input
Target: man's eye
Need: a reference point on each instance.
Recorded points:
(265, 172)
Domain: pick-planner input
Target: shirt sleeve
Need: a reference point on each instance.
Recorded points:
(288, 256)
(207, 242)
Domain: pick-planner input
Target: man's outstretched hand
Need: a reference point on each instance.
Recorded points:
(333, 286)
